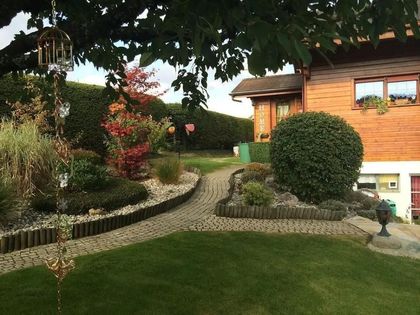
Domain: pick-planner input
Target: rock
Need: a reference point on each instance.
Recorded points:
(355, 206)
(98, 211)
(391, 242)
(269, 181)
(288, 199)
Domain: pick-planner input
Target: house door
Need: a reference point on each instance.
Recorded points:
(415, 196)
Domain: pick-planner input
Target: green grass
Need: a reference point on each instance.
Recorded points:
(206, 161)
(209, 164)
(225, 273)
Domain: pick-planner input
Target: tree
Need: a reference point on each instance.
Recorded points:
(195, 36)
(140, 87)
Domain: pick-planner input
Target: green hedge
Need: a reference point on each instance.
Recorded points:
(213, 130)
(259, 152)
(88, 106)
(118, 193)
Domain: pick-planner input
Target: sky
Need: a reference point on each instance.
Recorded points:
(219, 99)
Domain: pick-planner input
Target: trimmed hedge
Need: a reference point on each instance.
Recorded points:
(88, 106)
(316, 156)
(259, 152)
(119, 192)
(213, 130)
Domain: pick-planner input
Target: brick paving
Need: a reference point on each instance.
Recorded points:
(213, 223)
(196, 214)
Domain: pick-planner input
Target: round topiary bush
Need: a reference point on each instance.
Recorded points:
(316, 156)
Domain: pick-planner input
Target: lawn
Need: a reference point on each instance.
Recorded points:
(210, 164)
(225, 273)
(206, 161)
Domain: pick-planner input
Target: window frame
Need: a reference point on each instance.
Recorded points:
(386, 80)
(289, 102)
(377, 183)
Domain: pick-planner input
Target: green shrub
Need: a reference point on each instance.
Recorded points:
(315, 155)
(263, 169)
(158, 133)
(118, 193)
(26, 157)
(248, 176)
(87, 176)
(334, 205)
(259, 152)
(91, 156)
(168, 170)
(256, 194)
(363, 201)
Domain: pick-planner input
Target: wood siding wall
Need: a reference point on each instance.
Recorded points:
(394, 136)
(269, 111)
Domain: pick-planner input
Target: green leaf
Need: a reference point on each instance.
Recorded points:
(284, 40)
(303, 52)
(146, 59)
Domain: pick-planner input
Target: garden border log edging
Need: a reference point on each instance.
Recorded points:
(42, 236)
(279, 212)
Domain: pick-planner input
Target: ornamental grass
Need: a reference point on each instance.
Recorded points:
(168, 171)
(27, 158)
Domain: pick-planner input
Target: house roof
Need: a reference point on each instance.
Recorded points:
(270, 84)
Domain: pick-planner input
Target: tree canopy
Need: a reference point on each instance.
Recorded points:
(195, 36)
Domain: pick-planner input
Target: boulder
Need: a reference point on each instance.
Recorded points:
(288, 199)
(390, 242)
(98, 211)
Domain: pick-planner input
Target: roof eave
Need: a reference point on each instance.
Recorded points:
(266, 92)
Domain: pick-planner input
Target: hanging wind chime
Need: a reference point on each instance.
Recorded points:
(55, 53)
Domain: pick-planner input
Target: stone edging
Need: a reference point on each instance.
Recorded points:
(43, 236)
(280, 212)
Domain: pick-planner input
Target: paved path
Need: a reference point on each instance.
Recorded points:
(408, 235)
(195, 214)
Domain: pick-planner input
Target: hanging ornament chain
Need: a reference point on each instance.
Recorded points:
(60, 265)
(53, 13)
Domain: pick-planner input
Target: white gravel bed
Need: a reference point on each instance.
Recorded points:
(158, 192)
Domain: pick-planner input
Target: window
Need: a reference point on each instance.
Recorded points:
(368, 91)
(402, 92)
(379, 182)
(367, 181)
(282, 110)
(398, 90)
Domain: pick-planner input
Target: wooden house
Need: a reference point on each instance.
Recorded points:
(391, 141)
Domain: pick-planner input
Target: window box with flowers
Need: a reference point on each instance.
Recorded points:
(382, 93)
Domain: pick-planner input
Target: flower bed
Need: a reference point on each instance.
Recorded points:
(161, 198)
(227, 208)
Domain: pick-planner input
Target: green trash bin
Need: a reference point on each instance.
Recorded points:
(244, 153)
(393, 207)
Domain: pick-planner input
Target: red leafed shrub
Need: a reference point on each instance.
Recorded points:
(127, 140)
(140, 87)
(129, 161)
(128, 130)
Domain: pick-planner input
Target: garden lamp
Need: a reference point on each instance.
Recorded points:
(383, 212)
(171, 130)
